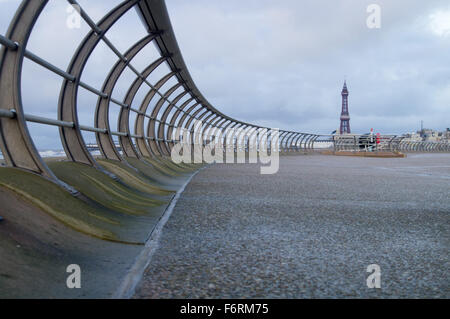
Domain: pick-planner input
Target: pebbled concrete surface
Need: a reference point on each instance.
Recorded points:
(310, 231)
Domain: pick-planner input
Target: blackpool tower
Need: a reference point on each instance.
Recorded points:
(345, 117)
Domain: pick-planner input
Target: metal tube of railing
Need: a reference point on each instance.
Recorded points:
(7, 113)
(8, 43)
(91, 129)
(33, 57)
(43, 120)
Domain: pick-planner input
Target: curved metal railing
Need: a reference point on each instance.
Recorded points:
(391, 143)
(166, 119)
(175, 110)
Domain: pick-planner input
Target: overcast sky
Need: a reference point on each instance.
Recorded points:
(275, 63)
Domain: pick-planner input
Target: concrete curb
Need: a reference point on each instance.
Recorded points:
(127, 287)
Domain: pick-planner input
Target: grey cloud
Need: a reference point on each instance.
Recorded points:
(285, 61)
(276, 63)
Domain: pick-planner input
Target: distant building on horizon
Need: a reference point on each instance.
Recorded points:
(428, 135)
(345, 116)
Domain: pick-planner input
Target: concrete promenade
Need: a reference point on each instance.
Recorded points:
(308, 231)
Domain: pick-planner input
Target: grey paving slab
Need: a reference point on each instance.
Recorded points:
(308, 231)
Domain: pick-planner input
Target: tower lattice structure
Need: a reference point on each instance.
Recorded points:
(345, 116)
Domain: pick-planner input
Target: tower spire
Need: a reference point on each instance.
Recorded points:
(345, 116)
